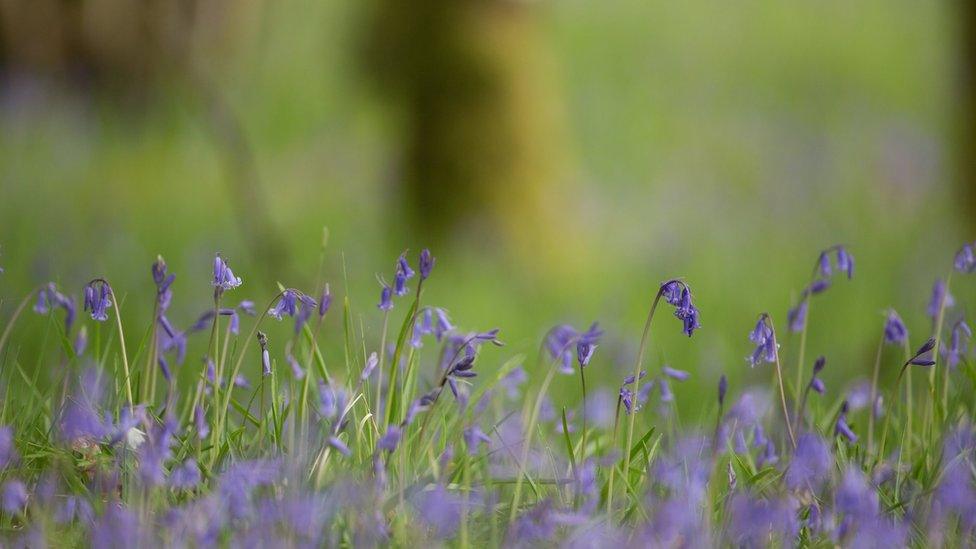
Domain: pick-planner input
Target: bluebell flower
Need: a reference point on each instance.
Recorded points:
(325, 300)
(474, 437)
(265, 355)
(765, 340)
(811, 463)
(49, 297)
(940, 298)
(223, 276)
(796, 318)
(845, 262)
(842, 428)
(287, 305)
(163, 281)
(723, 387)
(186, 476)
(371, 364)
(680, 375)
(386, 298)
(955, 351)
(81, 341)
(8, 451)
(402, 275)
(391, 439)
(14, 496)
(584, 352)
(965, 260)
(895, 331)
(97, 299)
(200, 422)
(426, 263)
(562, 343)
(339, 445)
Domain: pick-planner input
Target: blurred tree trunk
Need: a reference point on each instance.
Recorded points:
(480, 143)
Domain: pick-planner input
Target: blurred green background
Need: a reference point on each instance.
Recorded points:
(620, 143)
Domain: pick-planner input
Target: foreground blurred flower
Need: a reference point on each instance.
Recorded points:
(14, 496)
(811, 463)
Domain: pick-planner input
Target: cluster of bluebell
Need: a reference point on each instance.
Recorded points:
(309, 456)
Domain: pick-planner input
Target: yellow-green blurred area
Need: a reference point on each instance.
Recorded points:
(725, 143)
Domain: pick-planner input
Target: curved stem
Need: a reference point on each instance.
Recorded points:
(632, 416)
(779, 379)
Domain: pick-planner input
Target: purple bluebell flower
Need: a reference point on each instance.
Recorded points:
(666, 394)
(940, 298)
(386, 298)
(955, 351)
(426, 263)
(14, 496)
(474, 437)
(296, 369)
(8, 451)
(325, 301)
(965, 260)
(186, 476)
(512, 381)
(895, 331)
(765, 340)
(563, 340)
(818, 286)
(391, 439)
(97, 299)
(678, 294)
(339, 446)
(223, 276)
(818, 385)
(842, 428)
(287, 305)
(723, 387)
(161, 277)
(922, 356)
(796, 318)
(824, 266)
(81, 341)
(307, 306)
(845, 262)
(49, 297)
(371, 364)
(200, 421)
(755, 522)
(680, 375)
(811, 463)
(265, 355)
(768, 456)
(402, 275)
(584, 352)
(629, 380)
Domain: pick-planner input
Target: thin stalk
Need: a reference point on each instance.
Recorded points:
(779, 379)
(583, 411)
(874, 392)
(637, 368)
(379, 375)
(125, 359)
(940, 319)
(801, 353)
